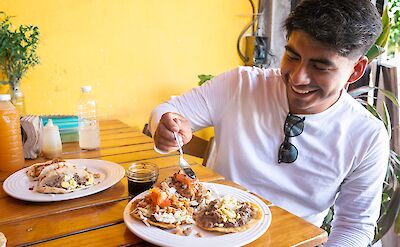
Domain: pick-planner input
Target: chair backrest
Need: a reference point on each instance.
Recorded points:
(209, 153)
(196, 147)
(146, 130)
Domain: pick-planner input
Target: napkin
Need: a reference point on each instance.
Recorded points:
(31, 136)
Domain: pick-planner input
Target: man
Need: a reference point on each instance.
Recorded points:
(294, 135)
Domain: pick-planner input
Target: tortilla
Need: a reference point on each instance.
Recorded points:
(52, 176)
(35, 170)
(135, 214)
(255, 219)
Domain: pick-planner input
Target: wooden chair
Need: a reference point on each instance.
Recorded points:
(197, 147)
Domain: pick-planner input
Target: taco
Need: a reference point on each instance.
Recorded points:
(228, 215)
(64, 179)
(34, 171)
(172, 203)
(162, 209)
(183, 186)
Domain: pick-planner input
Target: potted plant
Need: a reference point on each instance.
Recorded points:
(17, 54)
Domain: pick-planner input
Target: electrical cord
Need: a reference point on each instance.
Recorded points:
(251, 24)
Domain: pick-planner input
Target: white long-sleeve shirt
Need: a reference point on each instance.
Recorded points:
(342, 159)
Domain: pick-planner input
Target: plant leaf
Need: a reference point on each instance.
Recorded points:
(360, 90)
(397, 226)
(385, 198)
(378, 47)
(203, 78)
(390, 96)
(386, 119)
(374, 52)
(386, 219)
(374, 112)
(383, 37)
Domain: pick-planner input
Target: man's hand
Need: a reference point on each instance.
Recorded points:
(164, 137)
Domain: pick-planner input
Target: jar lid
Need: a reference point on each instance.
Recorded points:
(5, 97)
(86, 89)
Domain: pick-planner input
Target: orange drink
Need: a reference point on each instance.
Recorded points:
(11, 150)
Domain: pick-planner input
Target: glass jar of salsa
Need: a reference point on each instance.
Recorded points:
(141, 177)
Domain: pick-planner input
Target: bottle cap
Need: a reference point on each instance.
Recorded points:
(50, 125)
(5, 97)
(86, 89)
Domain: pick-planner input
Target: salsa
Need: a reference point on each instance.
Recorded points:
(137, 187)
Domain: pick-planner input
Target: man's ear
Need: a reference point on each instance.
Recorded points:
(358, 70)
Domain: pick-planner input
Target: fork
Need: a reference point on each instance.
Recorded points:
(182, 162)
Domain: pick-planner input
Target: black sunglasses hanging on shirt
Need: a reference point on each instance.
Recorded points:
(293, 126)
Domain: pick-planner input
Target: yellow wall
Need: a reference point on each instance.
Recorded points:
(135, 53)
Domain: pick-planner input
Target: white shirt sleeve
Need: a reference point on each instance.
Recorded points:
(202, 105)
(358, 203)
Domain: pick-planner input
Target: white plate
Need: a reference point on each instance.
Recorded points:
(17, 185)
(162, 237)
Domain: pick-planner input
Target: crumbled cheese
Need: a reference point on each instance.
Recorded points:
(177, 216)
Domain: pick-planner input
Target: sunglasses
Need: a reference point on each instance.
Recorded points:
(294, 126)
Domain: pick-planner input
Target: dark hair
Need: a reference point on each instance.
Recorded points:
(348, 27)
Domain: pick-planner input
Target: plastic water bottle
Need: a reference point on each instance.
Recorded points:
(11, 151)
(89, 132)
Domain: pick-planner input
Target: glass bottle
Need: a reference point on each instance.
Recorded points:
(89, 132)
(11, 150)
(17, 99)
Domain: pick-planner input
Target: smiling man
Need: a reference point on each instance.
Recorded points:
(294, 135)
(315, 76)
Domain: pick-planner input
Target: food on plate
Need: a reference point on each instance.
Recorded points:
(163, 209)
(64, 180)
(182, 232)
(180, 200)
(34, 170)
(60, 177)
(172, 204)
(227, 215)
(184, 186)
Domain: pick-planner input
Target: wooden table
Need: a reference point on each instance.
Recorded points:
(97, 220)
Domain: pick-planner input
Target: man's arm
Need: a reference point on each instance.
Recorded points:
(196, 109)
(358, 203)
(170, 122)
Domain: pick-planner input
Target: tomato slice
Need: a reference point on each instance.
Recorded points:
(165, 203)
(183, 179)
(155, 195)
(157, 198)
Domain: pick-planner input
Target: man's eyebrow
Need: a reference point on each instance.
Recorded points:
(315, 60)
(290, 49)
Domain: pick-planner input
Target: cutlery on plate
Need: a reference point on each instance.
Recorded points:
(182, 162)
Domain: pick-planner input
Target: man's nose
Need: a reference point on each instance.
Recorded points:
(299, 75)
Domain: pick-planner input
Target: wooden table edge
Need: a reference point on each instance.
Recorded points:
(323, 237)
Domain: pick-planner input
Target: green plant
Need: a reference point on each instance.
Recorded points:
(379, 47)
(17, 49)
(203, 78)
(390, 205)
(394, 35)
